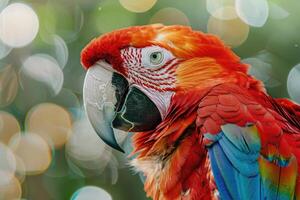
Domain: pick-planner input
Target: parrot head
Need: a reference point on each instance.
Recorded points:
(134, 74)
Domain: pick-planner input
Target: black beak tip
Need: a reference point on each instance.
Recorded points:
(115, 146)
(120, 149)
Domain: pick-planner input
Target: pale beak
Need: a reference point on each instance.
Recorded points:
(99, 102)
(111, 102)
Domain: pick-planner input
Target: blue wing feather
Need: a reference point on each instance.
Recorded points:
(234, 164)
(234, 156)
(231, 183)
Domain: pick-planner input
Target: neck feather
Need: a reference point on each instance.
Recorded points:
(172, 157)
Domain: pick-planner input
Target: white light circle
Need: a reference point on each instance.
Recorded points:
(96, 155)
(44, 68)
(60, 49)
(254, 12)
(262, 70)
(19, 25)
(259, 69)
(221, 6)
(293, 82)
(91, 192)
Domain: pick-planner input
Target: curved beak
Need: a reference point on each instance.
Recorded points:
(110, 102)
(99, 102)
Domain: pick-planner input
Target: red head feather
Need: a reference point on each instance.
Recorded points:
(182, 41)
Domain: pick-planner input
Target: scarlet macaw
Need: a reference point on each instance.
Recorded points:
(203, 128)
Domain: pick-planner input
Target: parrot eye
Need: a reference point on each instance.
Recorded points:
(156, 58)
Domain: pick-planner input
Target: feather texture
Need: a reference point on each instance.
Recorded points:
(248, 147)
(222, 136)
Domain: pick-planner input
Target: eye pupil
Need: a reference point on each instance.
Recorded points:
(156, 58)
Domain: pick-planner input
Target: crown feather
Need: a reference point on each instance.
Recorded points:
(182, 41)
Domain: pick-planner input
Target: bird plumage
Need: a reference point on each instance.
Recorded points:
(221, 135)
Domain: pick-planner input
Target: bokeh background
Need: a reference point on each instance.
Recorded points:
(48, 149)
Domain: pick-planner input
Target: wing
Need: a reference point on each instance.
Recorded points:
(249, 155)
